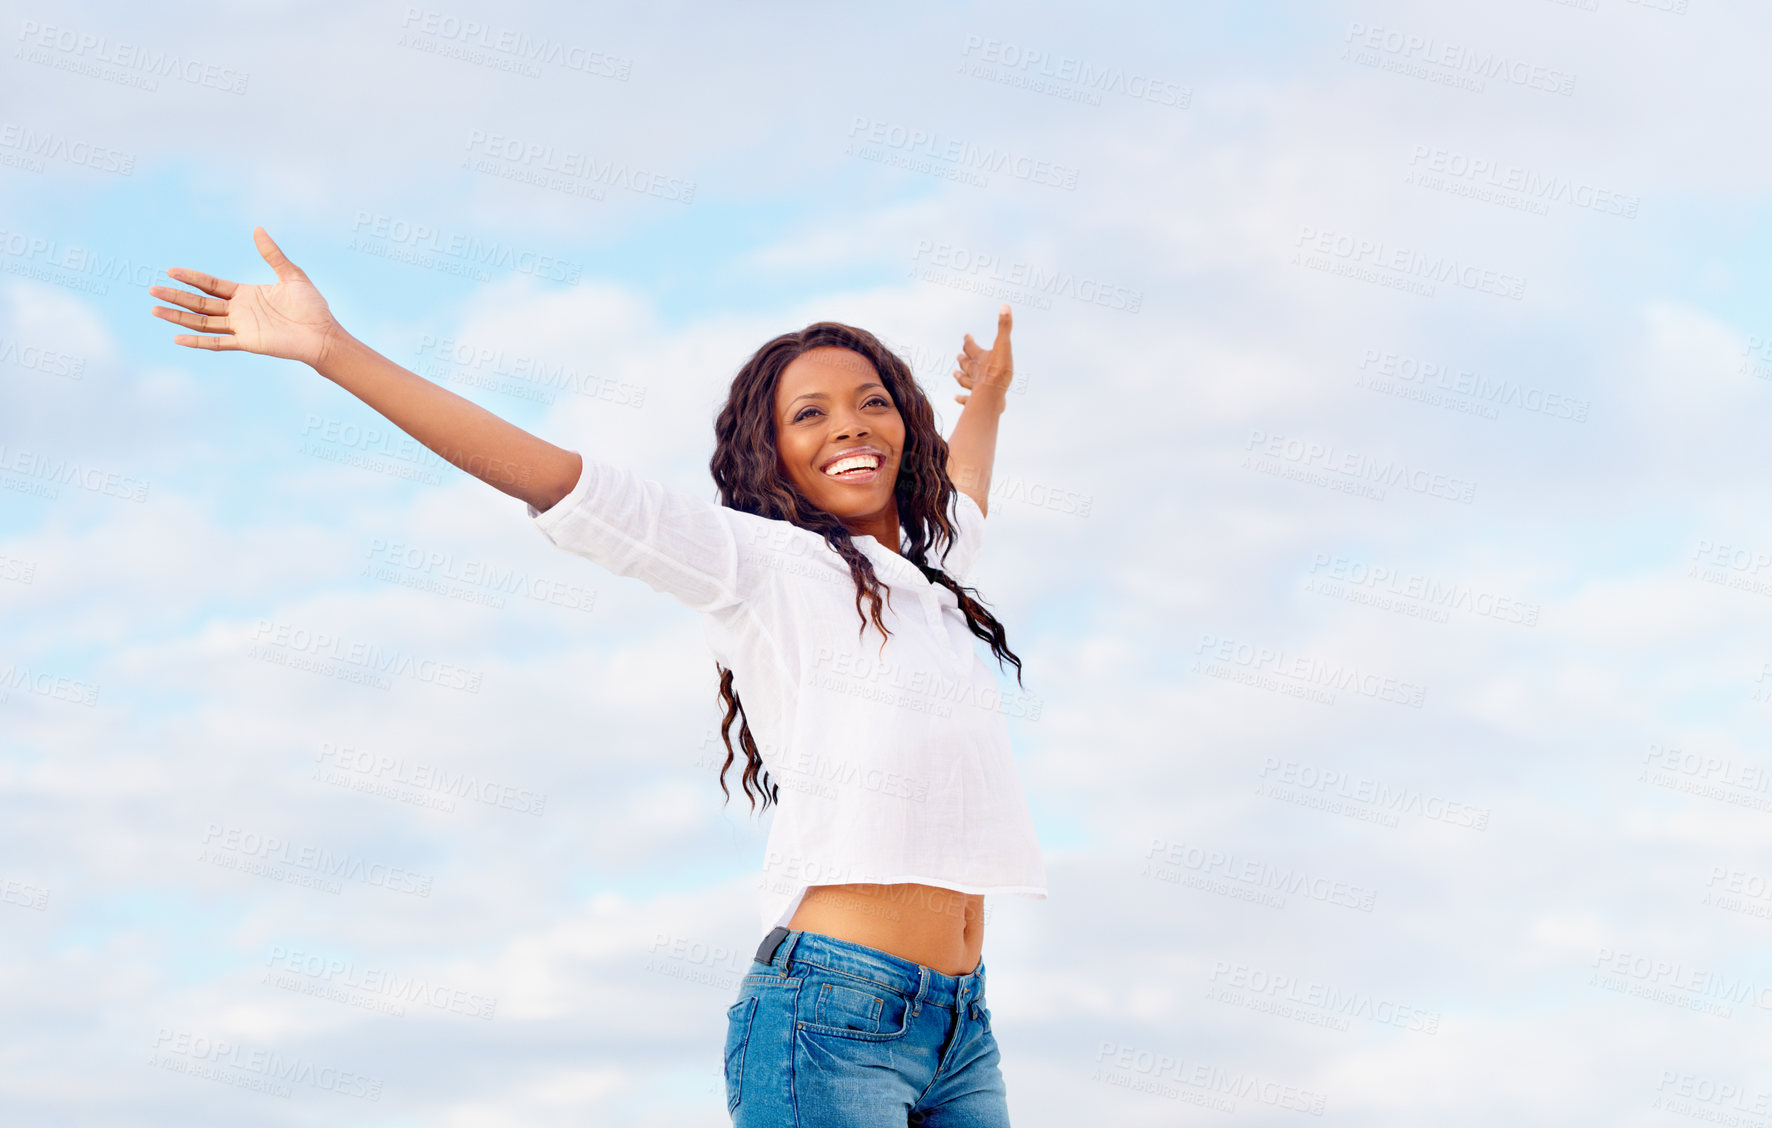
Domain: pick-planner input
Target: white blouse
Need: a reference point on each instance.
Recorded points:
(893, 762)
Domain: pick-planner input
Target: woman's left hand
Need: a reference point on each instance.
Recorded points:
(981, 368)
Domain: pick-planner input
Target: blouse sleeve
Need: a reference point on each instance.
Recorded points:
(969, 538)
(690, 549)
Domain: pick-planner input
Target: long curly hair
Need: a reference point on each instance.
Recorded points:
(746, 468)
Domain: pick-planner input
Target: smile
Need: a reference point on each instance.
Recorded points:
(858, 468)
(857, 476)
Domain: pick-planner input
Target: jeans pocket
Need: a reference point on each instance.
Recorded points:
(853, 1008)
(738, 1035)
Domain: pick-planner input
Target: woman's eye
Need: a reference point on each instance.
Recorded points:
(881, 400)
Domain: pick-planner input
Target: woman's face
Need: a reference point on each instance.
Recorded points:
(829, 402)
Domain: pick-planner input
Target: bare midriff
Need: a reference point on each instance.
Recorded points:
(942, 929)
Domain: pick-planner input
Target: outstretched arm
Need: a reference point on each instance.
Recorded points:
(972, 448)
(460, 431)
(291, 320)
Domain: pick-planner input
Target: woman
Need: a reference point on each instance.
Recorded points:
(865, 1003)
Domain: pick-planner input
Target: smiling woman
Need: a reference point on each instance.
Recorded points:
(903, 807)
(866, 1002)
(848, 467)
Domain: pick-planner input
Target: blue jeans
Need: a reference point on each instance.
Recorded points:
(831, 1034)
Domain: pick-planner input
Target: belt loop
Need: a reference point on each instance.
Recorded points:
(922, 990)
(787, 948)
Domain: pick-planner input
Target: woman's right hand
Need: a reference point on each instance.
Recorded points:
(289, 319)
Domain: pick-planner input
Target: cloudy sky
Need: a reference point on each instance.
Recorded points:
(1379, 512)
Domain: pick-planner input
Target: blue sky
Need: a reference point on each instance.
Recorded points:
(1474, 459)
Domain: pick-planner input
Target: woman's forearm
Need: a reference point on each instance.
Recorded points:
(972, 448)
(459, 431)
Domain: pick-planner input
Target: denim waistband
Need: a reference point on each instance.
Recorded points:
(784, 947)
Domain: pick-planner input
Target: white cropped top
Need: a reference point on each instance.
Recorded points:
(893, 763)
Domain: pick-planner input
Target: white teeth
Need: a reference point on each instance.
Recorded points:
(854, 462)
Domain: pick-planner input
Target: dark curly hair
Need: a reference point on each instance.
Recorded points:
(745, 467)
